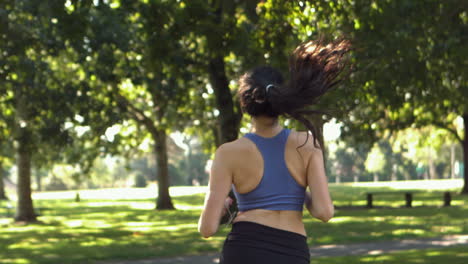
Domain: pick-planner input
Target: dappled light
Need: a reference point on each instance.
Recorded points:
(115, 116)
(456, 255)
(103, 229)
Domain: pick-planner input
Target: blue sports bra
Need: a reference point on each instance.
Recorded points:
(277, 190)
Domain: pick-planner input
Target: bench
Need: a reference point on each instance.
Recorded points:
(447, 198)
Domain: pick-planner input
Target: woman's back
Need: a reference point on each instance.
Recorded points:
(249, 170)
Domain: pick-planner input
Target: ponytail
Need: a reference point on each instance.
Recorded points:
(314, 70)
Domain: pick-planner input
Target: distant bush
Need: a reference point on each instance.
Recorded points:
(56, 184)
(140, 181)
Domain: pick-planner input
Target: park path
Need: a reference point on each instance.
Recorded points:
(372, 248)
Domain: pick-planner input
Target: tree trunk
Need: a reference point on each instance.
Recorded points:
(228, 119)
(164, 199)
(2, 185)
(25, 209)
(465, 154)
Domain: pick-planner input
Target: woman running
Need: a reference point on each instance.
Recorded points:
(270, 168)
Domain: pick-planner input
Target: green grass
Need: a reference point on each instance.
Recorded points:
(452, 255)
(98, 229)
(72, 232)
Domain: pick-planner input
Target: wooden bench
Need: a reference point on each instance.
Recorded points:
(447, 198)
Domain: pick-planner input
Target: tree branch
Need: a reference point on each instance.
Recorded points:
(451, 130)
(136, 113)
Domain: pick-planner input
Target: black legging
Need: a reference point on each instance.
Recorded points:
(254, 243)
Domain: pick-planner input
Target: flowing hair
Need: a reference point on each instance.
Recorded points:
(314, 69)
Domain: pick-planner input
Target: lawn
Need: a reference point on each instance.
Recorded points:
(117, 228)
(452, 255)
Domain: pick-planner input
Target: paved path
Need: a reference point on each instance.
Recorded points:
(328, 250)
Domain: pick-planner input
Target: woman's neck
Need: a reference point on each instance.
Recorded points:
(265, 126)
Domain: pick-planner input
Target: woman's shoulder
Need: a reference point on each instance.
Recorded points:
(231, 153)
(240, 144)
(303, 140)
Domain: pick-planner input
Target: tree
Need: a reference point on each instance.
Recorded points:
(137, 59)
(41, 85)
(409, 61)
(26, 90)
(233, 38)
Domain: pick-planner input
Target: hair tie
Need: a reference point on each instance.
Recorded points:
(268, 87)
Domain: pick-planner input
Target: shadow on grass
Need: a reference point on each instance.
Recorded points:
(362, 225)
(81, 232)
(131, 229)
(453, 255)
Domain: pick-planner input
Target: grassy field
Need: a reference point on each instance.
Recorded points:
(452, 255)
(104, 226)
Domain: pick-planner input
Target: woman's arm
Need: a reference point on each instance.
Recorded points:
(318, 201)
(218, 189)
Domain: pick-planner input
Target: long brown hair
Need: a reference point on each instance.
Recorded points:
(314, 69)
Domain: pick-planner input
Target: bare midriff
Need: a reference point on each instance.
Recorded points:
(284, 220)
